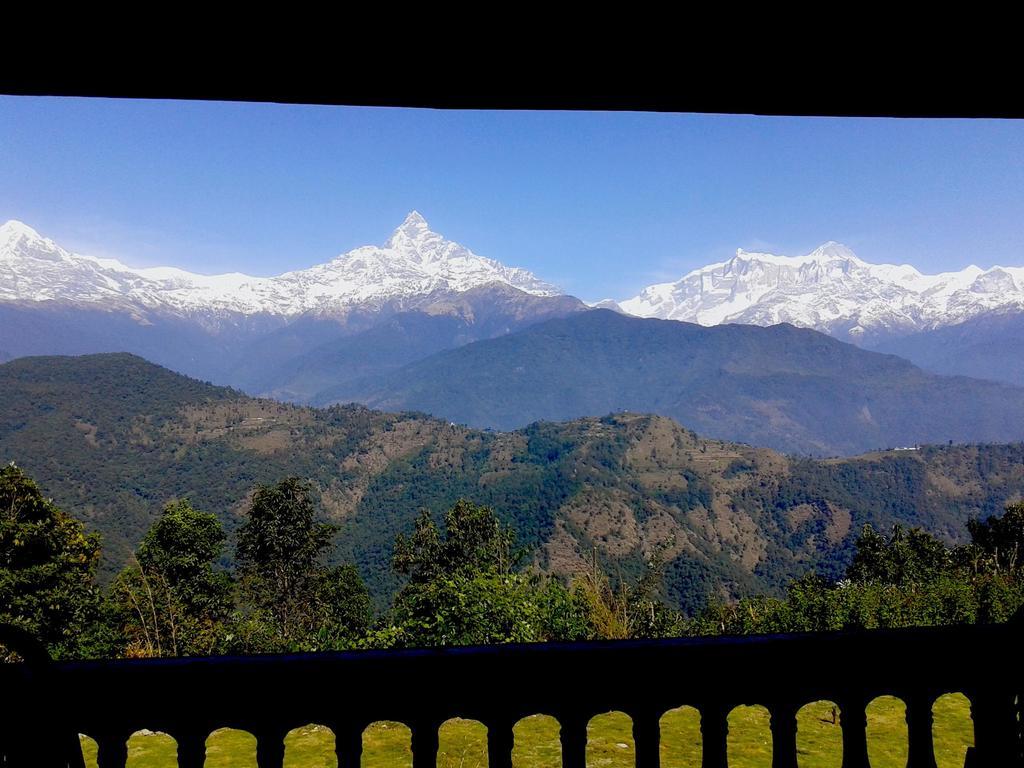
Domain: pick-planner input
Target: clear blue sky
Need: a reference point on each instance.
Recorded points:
(600, 203)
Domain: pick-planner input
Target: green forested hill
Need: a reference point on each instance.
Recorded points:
(111, 438)
(792, 389)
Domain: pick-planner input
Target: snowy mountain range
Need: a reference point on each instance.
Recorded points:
(291, 334)
(414, 262)
(831, 290)
(406, 324)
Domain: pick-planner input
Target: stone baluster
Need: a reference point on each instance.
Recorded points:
(270, 749)
(920, 748)
(113, 751)
(573, 735)
(783, 723)
(348, 746)
(647, 738)
(191, 749)
(714, 733)
(501, 741)
(424, 744)
(996, 734)
(854, 721)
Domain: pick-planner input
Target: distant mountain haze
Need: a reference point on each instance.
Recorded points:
(783, 387)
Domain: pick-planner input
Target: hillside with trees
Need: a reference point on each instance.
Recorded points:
(114, 439)
(464, 583)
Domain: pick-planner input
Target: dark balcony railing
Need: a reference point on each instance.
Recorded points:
(499, 685)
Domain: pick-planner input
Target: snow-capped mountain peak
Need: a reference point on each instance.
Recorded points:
(829, 289)
(14, 228)
(416, 242)
(833, 250)
(15, 234)
(413, 228)
(413, 262)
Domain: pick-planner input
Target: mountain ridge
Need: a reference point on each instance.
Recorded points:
(413, 262)
(787, 388)
(831, 290)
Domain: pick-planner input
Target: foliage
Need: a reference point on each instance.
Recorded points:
(293, 602)
(172, 601)
(905, 558)
(1000, 540)
(278, 554)
(909, 578)
(474, 542)
(47, 565)
(461, 589)
(622, 611)
(344, 611)
(462, 609)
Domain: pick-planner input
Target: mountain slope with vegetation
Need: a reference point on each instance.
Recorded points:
(786, 388)
(113, 438)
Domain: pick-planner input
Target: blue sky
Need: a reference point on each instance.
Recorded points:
(600, 203)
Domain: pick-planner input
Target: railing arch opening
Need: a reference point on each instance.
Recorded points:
(610, 741)
(887, 735)
(750, 737)
(680, 743)
(819, 735)
(90, 750)
(537, 742)
(230, 748)
(462, 743)
(310, 746)
(387, 744)
(152, 749)
(952, 729)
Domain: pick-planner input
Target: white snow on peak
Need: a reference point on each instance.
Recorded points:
(14, 229)
(414, 262)
(829, 289)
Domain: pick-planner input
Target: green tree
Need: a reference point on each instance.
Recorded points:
(474, 542)
(907, 579)
(1000, 540)
(462, 588)
(172, 601)
(293, 602)
(905, 557)
(47, 567)
(345, 610)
